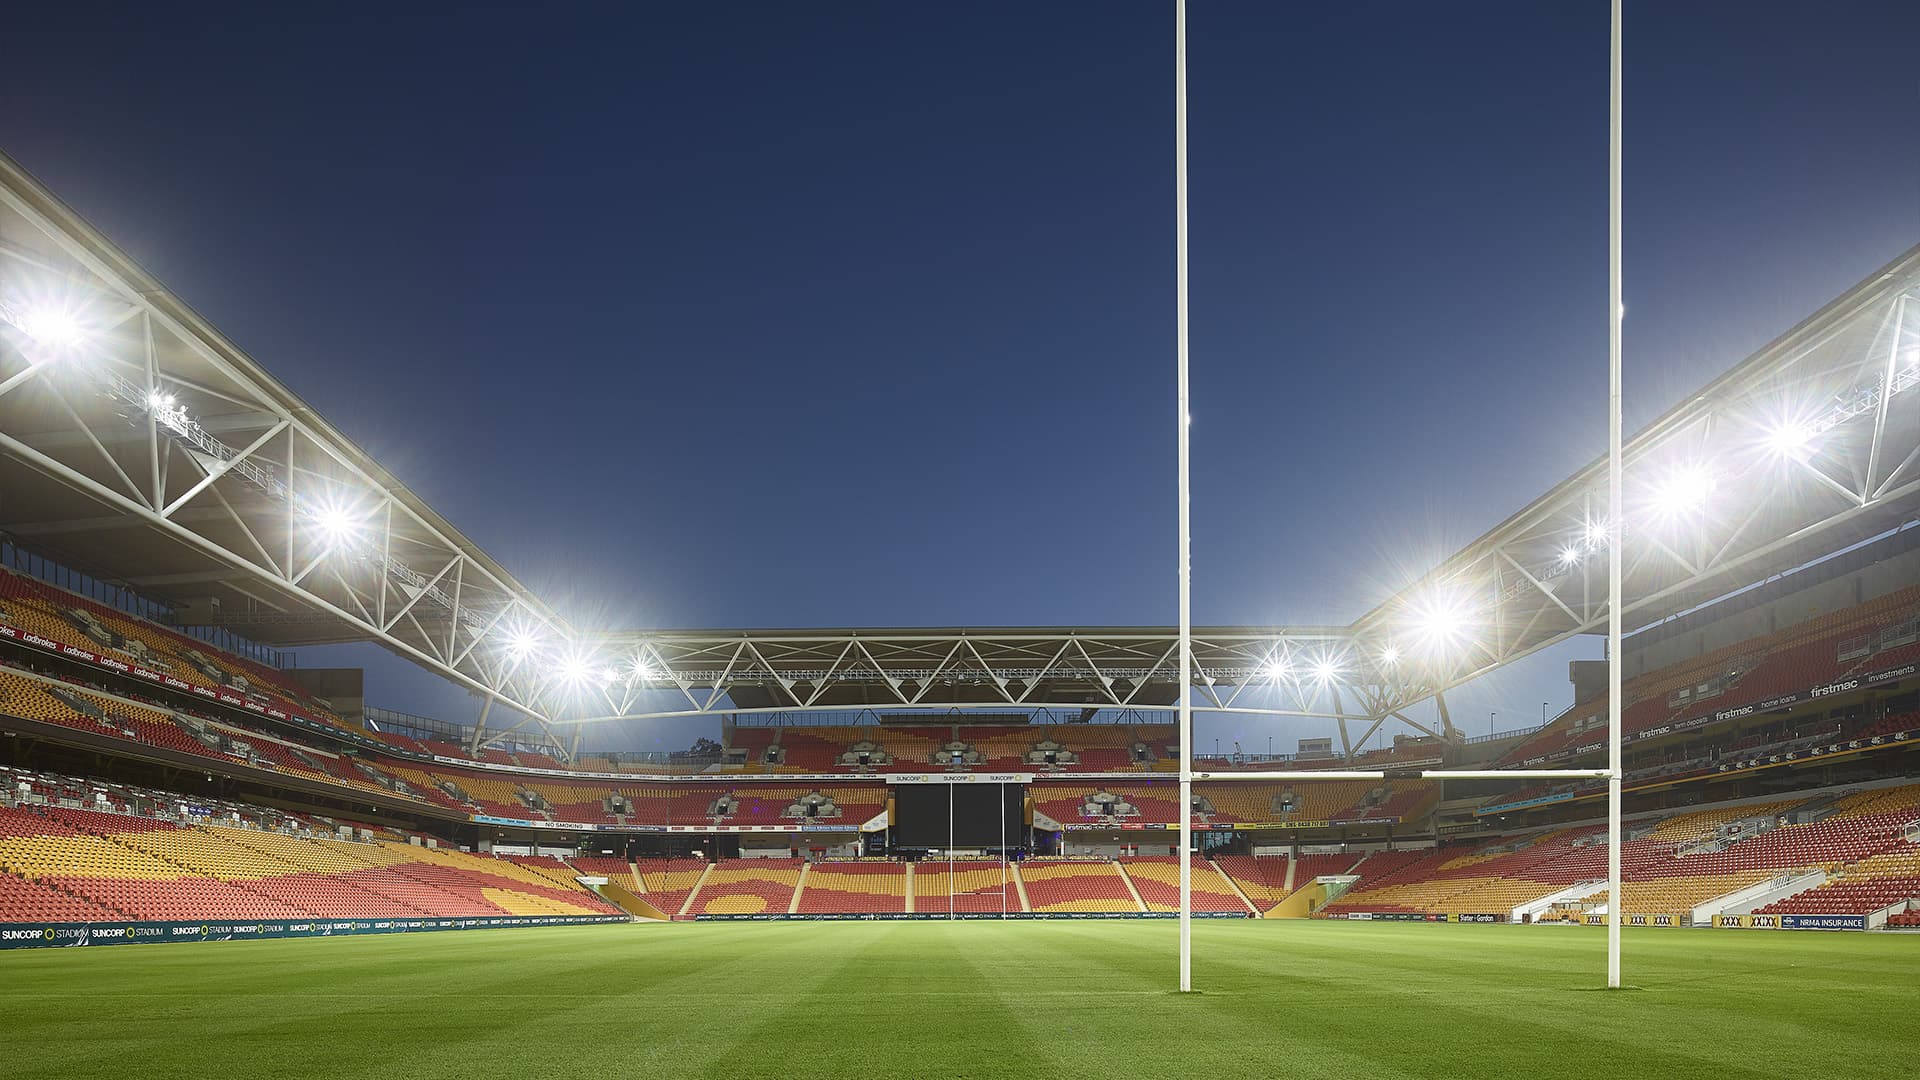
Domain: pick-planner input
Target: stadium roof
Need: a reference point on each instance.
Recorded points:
(139, 445)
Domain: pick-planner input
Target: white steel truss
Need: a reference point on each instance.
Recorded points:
(656, 675)
(1811, 445)
(156, 429)
(139, 430)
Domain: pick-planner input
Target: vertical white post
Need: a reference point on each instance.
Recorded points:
(1616, 513)
(1186, 569)
(949, 849)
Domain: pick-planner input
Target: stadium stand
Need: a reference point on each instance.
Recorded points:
(1801, 656)
(748, 887)
(1076, 885)
(964, 886)
(1108, 801)
(64, 862)
(854, 888)
(619, 871)
(1676, 865)
(1261, 878)
(669, 882)
(1673, 865)
(1157, 879)
(71, 619)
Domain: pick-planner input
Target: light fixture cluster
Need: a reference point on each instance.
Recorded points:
(569, 665)
(1320, 669)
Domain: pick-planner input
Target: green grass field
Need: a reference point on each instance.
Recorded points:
(1317, 1000)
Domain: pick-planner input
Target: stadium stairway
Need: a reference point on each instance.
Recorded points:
(619, 895)
(1155, 881)
(1131, 887)
(619, 871)
(793, 906)
(747, 887)
(1237, 891)
(1264, 880)
(686, 906)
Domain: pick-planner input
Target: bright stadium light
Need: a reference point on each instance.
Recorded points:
(1325, 670)
(1570, 556)
(1390, 656)
(574, 668)
(1279, 670)
(336, 525)
(1685, 490)
(54, 328)
(1442, 621)
(1793, 438)
(166, 411)
(1595, 535)
(520, 643)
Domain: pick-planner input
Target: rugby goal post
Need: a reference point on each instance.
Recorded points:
(1615, 535)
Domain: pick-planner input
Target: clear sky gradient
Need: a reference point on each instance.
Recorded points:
(785, 314)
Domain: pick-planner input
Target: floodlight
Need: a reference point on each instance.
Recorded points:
(1792, 439)
(1442, 619)
(1596, 534)
(334, 523)
(641, 671)
(1685, 490)
(159, 402)
(55, 328)
(574, 669)
(1279, 670)
(1569, 555)
(1324, 669)
(520, 643)
(1390, 655)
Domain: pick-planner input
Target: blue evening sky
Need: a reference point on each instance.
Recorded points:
(784, 314)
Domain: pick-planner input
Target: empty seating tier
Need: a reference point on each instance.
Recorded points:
(854, 888)
(748, 887)
(964, 886)
(1076, 885)
(1157, 879)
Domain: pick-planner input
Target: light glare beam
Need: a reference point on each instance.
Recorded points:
(54, 328)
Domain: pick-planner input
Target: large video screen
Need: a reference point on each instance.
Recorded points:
(972, 814)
